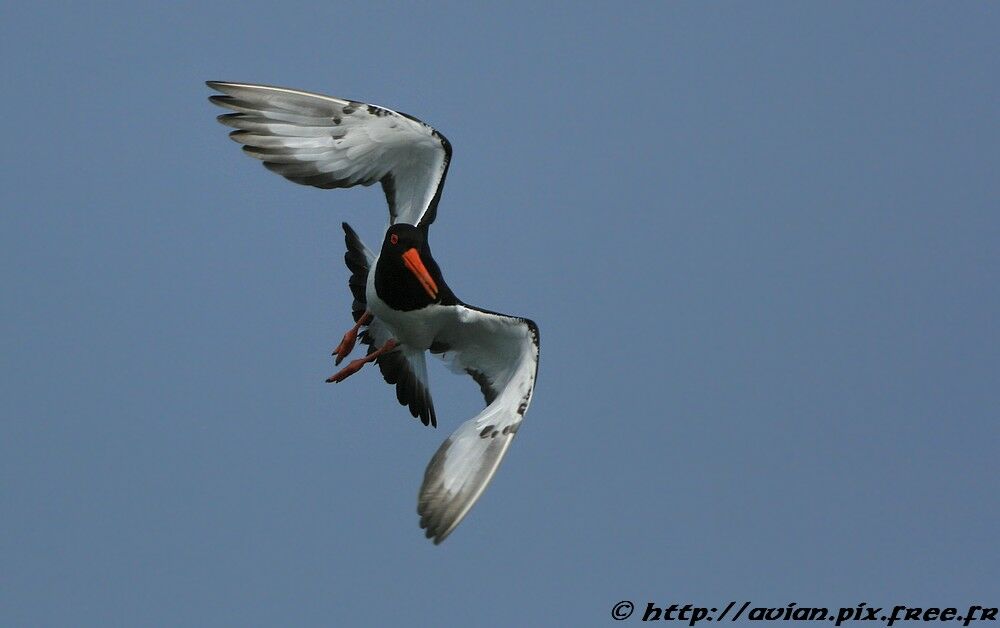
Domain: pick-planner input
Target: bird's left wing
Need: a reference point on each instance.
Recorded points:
(501, 354)
(330, 142)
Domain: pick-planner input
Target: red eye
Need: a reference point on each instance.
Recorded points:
(394, 239)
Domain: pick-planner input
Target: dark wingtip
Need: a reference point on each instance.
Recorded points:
(431, 532)
(351, 237)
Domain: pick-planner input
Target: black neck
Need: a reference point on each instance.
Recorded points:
(400, 290)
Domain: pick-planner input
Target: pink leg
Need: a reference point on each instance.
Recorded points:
(355, 365)
(347, 344)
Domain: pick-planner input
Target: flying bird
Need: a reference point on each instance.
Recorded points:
(402, 306)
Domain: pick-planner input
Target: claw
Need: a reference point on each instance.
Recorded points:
(352, 367)
(346, 345)
(350, 338)
(355, 365)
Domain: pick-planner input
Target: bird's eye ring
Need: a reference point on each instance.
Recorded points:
(394, 239)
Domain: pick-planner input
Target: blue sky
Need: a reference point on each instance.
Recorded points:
(760, 241)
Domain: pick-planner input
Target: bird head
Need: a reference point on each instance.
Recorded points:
(406, 245)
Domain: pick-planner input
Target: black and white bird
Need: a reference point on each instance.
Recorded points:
(400, 297)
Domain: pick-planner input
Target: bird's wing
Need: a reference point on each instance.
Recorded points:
(334, 143)
(501, 354)
(404, 367)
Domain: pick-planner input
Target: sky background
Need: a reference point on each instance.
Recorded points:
(761, 241)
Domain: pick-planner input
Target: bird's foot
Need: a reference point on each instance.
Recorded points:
(352, 367)
(346, 345)
(356, 365)
(350, 338)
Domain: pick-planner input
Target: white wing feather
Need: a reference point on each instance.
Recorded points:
(501, 354)
(330, 142)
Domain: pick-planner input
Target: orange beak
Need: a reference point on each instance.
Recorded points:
(416, 266)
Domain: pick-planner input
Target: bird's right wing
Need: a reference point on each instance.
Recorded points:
(334, 143)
